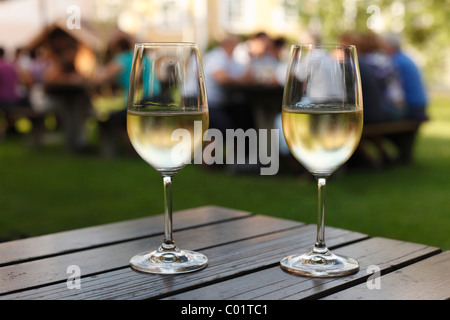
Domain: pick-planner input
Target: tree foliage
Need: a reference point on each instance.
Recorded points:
(424, 25)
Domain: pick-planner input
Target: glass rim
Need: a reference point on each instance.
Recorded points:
(323, 45)
(167, 44)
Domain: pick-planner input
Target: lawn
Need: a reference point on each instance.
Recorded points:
(46, 190)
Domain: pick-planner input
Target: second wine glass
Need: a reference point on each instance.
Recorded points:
(166, 120)
(322, 124)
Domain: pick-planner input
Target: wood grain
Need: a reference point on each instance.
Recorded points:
(426, 280)
(275, 284)
(75, 240)
(243, 250)
(226, 261)
(92, 261)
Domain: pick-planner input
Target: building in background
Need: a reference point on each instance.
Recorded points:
(202, 21)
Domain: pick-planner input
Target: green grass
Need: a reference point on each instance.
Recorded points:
(47, 191)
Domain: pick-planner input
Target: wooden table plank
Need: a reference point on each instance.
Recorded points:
(243, 249)
(50, 270)
(225, 261)
(275, 284)
(426, 280)
(75, 240)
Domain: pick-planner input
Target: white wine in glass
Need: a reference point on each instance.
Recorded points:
(166, 119)
(322, 124)
(152, 137)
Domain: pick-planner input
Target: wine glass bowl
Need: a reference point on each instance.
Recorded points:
(167, 117)
(322, 117)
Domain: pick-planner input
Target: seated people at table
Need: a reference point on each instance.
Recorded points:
(322, 88)
(371, 54)
(221, 69)
(383, 98)
(411, 80)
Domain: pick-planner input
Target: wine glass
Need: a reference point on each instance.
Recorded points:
(322, 123)
(167, 117)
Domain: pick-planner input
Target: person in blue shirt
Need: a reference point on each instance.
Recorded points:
(118, 72)
(123, 62)
(414, 90)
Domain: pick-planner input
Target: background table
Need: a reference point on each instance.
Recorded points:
(244, 251)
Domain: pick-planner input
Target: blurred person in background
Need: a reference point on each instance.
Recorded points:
(371, 53)
(371, 90)
(68, 92)
(411, 79)
(222, 69)
(281, 52)
(40, 62)
(116, 73)
(23, 63)
(372, 93)
(9, 97)
(229, 108)
(263, 62)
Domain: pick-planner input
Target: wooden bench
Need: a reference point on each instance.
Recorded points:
(37, 120)
(388, 128)
(400, 135)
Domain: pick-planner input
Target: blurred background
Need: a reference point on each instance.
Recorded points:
(72, 166)
(422, 24)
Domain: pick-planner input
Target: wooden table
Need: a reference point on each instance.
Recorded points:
(244, 251)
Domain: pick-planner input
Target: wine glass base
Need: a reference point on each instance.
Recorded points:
(169, 261)
(315, 264)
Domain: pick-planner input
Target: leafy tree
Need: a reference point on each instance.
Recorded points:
(423, 24)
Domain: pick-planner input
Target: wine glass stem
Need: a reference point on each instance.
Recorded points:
(320, 246)
(168, 243)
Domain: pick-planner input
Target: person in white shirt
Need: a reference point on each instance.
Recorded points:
(221, 69)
